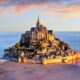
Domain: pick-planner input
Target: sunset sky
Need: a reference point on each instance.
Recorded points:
(21, 15)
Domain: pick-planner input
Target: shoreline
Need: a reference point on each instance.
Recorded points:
(3, 60)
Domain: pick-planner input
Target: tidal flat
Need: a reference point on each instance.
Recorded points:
(24, 71)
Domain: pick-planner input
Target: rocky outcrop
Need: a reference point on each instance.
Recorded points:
(39, 41)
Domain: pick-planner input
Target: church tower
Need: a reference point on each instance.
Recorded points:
(38, 22)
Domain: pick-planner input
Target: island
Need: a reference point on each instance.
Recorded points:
(40, 45)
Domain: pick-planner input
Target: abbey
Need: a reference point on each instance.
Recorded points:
(37, 34)
(40, 43)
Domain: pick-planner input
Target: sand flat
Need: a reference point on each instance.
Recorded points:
(23, 71)
(2, 61)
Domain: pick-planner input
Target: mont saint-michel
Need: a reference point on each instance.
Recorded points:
(40, 45)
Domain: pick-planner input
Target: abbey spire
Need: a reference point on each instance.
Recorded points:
(38, 22)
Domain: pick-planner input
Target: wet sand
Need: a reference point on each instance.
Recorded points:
(23, 71)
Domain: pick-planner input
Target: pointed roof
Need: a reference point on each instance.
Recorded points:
(38, 22)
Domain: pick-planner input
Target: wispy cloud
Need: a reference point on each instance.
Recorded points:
(2, 1)
(60, 7)
(63, 10)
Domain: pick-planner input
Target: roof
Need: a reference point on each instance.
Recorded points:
(50, 31)
(33, 28)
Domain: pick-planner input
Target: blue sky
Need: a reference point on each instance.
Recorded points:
(21, 15)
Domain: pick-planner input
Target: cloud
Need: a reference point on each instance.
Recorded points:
(2, 1)
(26, 7)
(63, 10)
(18, 7)
(53, 6)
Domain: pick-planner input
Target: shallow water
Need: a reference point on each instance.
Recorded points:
(7, 40)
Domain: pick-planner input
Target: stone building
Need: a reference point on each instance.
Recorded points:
(38, 42)
(40, 32)
(37, 34)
